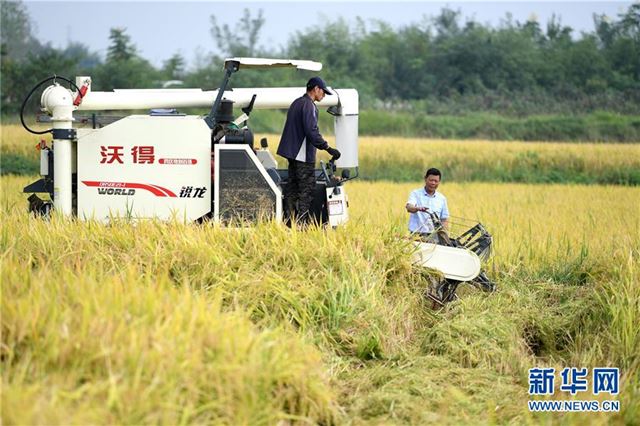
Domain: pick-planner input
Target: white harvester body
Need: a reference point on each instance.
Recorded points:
(169, 165)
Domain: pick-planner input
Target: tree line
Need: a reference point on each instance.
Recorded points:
(440, 65)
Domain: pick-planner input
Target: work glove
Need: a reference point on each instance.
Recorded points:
(335, 154)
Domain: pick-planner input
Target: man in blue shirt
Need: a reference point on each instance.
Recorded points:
(300, 140)
(427, 199)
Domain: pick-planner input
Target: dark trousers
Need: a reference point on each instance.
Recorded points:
(299, 189)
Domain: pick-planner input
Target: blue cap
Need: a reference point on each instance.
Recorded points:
(317, 81)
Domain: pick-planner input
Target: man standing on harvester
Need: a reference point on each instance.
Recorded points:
(300, 140)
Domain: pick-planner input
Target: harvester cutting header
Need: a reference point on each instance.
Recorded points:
(166, 164)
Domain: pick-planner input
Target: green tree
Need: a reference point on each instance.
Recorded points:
(446, 23)
(630, 22)
(379, 62)
(121, 48)
(24, 60)
(337, 47)
(243, 39)
(18, 78)
(556, 32)
(624, 52)
(174, 67)
(16, 36)
(124, 69)
(85, 58)
(619, 42)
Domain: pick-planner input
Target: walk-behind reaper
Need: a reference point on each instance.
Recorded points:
(165, 164)
(457, 254)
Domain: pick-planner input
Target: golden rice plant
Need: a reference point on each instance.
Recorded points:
(127, 348)
(405, 160)
(165, 322)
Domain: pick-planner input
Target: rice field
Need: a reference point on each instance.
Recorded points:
(527, 162)
(178, 323)
(403, 160)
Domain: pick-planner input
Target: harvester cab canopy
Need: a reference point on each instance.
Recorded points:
(273, 63)
(232, 65)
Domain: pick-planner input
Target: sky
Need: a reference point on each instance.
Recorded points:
(160, 29)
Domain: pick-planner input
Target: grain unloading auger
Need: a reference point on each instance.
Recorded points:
(170, 165)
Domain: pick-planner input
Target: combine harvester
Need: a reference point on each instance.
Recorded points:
(170, 165)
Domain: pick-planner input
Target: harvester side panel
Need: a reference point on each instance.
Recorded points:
(145, 167)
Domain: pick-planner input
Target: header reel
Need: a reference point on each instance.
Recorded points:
(475, 240)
